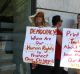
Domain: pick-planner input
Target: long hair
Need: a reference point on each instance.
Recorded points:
(41, 14)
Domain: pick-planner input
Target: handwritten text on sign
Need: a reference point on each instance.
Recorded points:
(71, 48)
(39, 45)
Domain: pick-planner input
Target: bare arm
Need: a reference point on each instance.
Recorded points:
(59, 39)
(34, 66)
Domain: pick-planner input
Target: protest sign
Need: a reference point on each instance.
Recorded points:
(70, 56)
(39, 45)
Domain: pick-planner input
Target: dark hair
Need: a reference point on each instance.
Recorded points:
(78, 14)
(56, 19)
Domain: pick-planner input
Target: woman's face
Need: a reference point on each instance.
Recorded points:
(39, 19)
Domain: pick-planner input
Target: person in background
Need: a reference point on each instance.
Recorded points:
(57, 23)
(78, 27)
(75, 26)
(78, 22)
(38, 20)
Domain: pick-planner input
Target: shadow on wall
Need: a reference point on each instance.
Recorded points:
(68, 23)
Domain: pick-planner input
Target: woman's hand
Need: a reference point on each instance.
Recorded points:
(34, 66)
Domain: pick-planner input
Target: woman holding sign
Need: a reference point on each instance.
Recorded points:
(57, 23)
(39, 21)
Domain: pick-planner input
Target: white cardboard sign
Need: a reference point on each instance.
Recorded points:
(39, 45)
(70, 56)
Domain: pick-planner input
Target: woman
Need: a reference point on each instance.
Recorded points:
(57, 22)
(39, 21)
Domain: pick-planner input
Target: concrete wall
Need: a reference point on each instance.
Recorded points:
(68, 10)
(63, 5)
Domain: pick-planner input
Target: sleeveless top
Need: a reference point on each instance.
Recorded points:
(58, 47)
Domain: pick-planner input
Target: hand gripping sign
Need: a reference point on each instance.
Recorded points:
(39, 45)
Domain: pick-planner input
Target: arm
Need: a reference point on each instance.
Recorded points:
(34, 66)
(59, 39)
